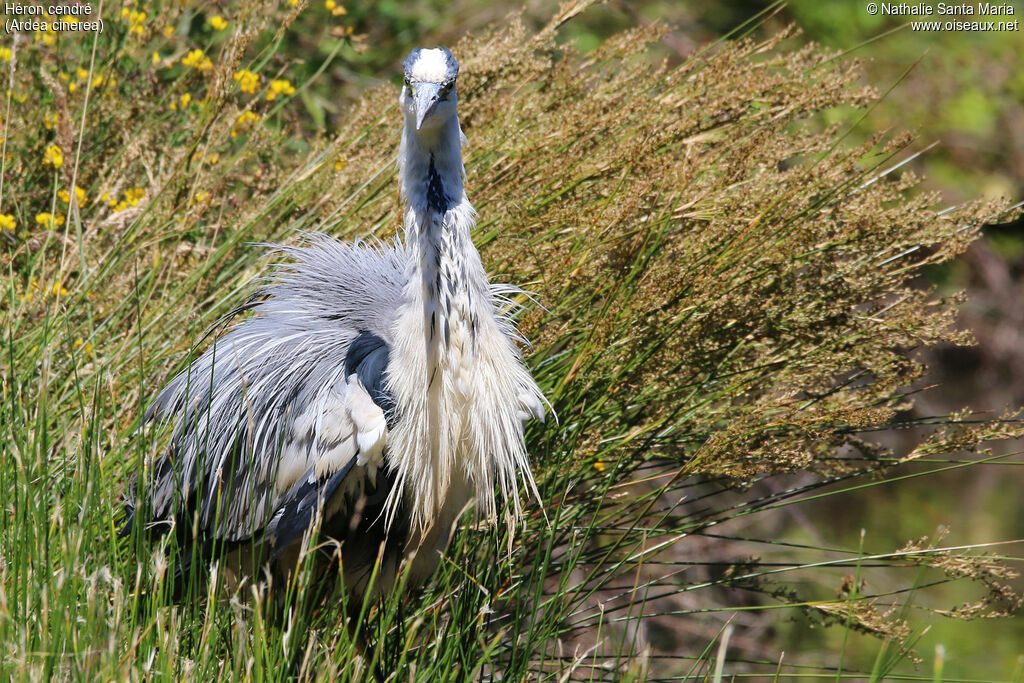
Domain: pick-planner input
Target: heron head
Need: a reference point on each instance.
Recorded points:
(428, 95)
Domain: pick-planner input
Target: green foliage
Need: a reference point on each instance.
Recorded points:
(725, 299)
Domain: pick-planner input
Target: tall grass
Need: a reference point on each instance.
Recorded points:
(726, 322)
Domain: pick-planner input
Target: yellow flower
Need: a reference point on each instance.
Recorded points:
(50, 120)
(185, 99)
(156, 58)
(84, 345)
(279, 87)
(81, 73)
(65, 196)
(245, 119)
(72, 87)
(133, 194)
(5, 54)
(58, 288)
(335, 8)
(340, 164)
(201, 197)
(64, 76)
(53, 156)
(247, 80)
(48, 37)
(217, 22)
(197, 59)
(599, 465)
(168, 31)
(135, 20)
(7, 221)
(213, 158)
(48, 220)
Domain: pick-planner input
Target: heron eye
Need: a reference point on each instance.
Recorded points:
(445, 91)
(408, 84)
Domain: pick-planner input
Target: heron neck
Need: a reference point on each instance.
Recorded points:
(431, 167)
(445, 305)
(438, 223)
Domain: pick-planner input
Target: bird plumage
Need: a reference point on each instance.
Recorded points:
(376, 390)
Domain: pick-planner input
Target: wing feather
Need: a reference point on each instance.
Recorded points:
(266, 421)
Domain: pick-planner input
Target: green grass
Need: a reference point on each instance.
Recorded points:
(726, 323)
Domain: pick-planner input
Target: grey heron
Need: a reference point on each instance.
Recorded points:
(376, 391)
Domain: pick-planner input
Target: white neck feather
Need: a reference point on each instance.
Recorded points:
(456, 377)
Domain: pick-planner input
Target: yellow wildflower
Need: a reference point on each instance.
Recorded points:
(33, 287)
(247, 80)
(168, 31)
(48, 37)
(213, 158)
(201, 197)
(65, 196)
(340, 164)
(335, 8)
(217, 22)
(50, 120)
(133, 194)
(279, 87)
(72, 87)
(599, 465)
(197, 59)
(185, 99)
(64, 76)
(5, 54)
(84, 345)
(156, 58)
(58, 288)
(53, 156)
(81, 73)
(48, 220)
(7, 221)
(245, 119)
(135, 20)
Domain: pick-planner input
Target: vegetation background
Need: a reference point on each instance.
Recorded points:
(178, 151)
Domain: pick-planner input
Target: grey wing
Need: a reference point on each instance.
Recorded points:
(272, 418)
